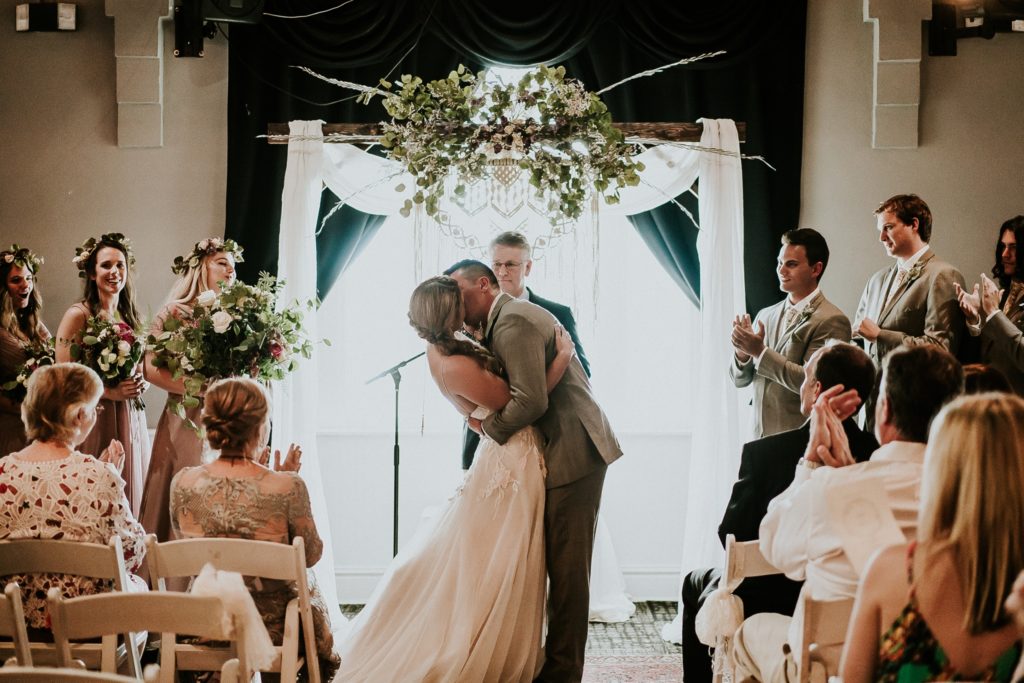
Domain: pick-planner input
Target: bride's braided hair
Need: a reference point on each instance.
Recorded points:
(436, 311)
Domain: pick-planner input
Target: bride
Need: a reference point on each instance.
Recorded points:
(464, 601)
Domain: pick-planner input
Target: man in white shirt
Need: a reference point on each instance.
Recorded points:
(913, 301)
(770, 352)
(808, 537)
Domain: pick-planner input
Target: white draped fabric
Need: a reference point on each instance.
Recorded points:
(715, 451)
(295, 409)
(375, 185)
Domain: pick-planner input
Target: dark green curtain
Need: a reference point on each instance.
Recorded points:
(673, 243)
(759, 81)
(342, 239)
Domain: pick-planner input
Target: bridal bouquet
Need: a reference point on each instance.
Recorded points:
(38, 356)
(240, 332)
(112, 349)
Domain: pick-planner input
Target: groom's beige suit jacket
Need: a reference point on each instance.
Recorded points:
(577, 436)
(780, 372)
(923, 310)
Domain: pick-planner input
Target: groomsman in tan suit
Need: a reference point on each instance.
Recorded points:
(770, 352)
(914, 300)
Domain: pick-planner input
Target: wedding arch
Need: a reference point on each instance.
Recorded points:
(380, 186)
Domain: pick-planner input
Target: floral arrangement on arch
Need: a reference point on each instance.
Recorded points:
(37, 355)
(111, 348)
(558, 131)
(239, 332)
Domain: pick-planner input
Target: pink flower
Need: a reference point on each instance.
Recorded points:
(276, 350)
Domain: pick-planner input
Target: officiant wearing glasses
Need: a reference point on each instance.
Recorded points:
(511, 261)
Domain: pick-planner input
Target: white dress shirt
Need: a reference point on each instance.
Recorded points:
(798, 537)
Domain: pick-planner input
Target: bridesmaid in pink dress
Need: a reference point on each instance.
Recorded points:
(210, 264)
(20, 327)
(105, 264)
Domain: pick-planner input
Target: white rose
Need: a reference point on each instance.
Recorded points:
(221, 321)
(9, 258)
(204, 244)
(206, 298)
(124, 348)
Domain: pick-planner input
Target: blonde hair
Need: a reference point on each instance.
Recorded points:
(190, 284)
(436, 311)
(972, 499)
(234, 411)
(56, 394)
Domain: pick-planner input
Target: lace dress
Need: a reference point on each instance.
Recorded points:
(910, 653)
(273, 506)
(464, 600)
(77, 498)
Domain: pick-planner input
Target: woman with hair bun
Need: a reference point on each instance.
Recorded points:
(238, 496)
(20, 329)
(106, 266)
(176, 445)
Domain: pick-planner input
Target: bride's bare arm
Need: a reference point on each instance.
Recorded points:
(463, 377)
(564, 351)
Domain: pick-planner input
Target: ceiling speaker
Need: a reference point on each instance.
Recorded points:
(233, 11)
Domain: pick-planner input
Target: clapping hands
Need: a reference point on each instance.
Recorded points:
(113, 454)
(981, 302)
(292, 461)
(747, 342)
(828, 444)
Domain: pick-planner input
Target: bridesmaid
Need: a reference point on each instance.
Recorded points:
(20, 327)
(176, 445)
(106, 265)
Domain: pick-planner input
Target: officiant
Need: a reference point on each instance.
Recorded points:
(511, 261)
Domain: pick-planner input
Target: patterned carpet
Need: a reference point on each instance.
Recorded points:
(629, 652)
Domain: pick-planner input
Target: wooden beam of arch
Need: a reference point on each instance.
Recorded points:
(666, 132)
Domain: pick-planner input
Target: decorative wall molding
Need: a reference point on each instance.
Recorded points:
(138, 51)
(897, 70)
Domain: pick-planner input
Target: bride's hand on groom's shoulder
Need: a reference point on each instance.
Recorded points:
(563, 342)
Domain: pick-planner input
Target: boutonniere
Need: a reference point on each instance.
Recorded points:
(914, 273)
(805, 315)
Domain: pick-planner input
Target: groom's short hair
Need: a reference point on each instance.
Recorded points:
(472, 269)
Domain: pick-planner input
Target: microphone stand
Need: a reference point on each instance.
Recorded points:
(396, 375)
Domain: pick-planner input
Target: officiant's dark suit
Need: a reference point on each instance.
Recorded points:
(767, 466)
(563, 314)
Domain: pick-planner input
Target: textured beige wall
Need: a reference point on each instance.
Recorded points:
(969, 166)
(62, 176)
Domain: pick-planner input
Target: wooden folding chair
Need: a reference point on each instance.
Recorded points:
(36, 556)
(825, 623)
(45, 674)
(261, 559)
(169, 614)
(743, 560)
(12, 625)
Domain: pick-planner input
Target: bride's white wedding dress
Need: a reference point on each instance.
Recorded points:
(464, 600)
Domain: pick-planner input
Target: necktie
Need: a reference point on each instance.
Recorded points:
(791, 316)
(901, 277)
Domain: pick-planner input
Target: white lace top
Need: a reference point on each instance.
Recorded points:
(77, 498)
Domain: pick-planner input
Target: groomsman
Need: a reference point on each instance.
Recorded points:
(771, 352)
(511, 262)
(913, 301)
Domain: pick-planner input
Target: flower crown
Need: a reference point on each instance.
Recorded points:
(207, 247)
(83, 252)
(21, 257)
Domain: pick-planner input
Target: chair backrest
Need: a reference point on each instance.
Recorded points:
(264, 559)
(12, 623)
(825, 624)
(38, 556)
(45, 674)
(743, 559)
(170, 614)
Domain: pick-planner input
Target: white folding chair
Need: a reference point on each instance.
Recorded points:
(169, 614)
(824, 633)
(93, 560)
(12, 625)
(261, 559)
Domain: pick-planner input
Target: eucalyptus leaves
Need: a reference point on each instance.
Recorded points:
(559, 132)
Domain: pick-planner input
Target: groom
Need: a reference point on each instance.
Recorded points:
(579, 445)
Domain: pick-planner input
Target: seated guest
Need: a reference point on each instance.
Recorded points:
(800, 534)
(49, 490)
(933, 610)
(766, 469)
(980, 378)
(238, 496)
